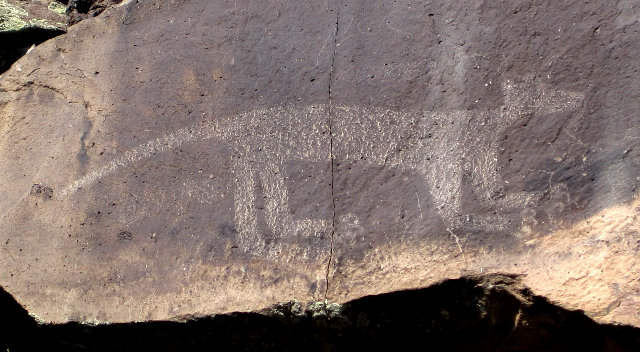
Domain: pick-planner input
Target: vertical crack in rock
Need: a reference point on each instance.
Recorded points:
(333, 198)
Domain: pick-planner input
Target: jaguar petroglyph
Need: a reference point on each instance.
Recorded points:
(428, 142)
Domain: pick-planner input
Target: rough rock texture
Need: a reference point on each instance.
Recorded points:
(199, 157)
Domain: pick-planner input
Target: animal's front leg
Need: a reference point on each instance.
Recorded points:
(489, 190)
(445, 179)
(483, 165)
(276, 199)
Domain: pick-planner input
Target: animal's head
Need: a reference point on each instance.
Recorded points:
(532, 96)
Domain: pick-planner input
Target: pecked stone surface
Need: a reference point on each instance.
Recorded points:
(197, 157)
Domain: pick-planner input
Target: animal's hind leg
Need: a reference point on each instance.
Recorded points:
(484, 170)
(245, 210)
(445, 180)
(276, 199)
(277, 214)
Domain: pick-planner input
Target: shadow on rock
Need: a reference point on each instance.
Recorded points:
(469, 314)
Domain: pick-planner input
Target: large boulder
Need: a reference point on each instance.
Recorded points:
(195, 157)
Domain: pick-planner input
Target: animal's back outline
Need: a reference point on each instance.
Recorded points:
(424, 141)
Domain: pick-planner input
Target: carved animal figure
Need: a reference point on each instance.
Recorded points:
(441, 146)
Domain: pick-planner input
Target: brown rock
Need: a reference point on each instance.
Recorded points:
(213, 157)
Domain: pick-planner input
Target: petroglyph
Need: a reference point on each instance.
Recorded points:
(427, 142)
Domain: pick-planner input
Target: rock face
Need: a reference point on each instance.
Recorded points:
(197, 157)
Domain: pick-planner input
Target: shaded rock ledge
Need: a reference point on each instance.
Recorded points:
(491, 313)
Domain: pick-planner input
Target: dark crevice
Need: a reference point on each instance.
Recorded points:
(329, 112)
(15, 44)
(15, 322)
(470, 314)
(78, 10)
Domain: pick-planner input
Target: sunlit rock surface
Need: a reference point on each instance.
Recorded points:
(173, 158)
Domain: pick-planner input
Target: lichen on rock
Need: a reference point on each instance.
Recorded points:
(11, 17)
(58, 8)
(19, 15)
(27, 23)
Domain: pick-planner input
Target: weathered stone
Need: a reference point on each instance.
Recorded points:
(206, 157)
